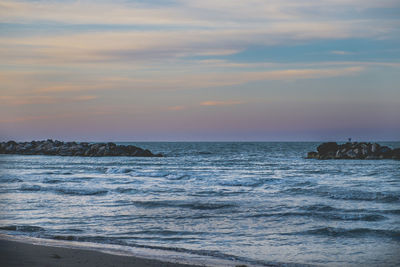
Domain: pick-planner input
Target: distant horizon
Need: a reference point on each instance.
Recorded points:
(202, 141)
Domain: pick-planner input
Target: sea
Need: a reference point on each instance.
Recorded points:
(254, 203)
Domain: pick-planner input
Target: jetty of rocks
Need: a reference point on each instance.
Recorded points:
(83, 149)
(354, 150)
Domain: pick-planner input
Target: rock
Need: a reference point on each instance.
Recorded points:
(50, 147)
(312, 155)
(339, 154)
(374, 147)
(385, 152)
(355, 150)
(147, 153)
(11, 143)
(396, 153)
(327, 147)
(351, 154)
(364, 152)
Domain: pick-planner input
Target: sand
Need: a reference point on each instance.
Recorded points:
(13, 253)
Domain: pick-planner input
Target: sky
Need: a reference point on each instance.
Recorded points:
(186, 70)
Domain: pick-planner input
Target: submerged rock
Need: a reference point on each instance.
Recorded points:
(354, 150)
(58, 148)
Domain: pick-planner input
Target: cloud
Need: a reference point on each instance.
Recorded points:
(48, 86)
(176, 108)
(338, 52)
(220, 103)
(84, 98)
(235, 78)
(42, 100)
(155, 32)
(138, 47)
(70, 88)
(222, 13)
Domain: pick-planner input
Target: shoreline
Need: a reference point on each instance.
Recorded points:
(32, 251)
(15, 253)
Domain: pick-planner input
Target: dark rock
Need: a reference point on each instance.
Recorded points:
(327, 147)
(351, 154)
(355, 150)
(375, 147)
(396, 153)
(50, 147)
(11, 143)
(58, 143)
(312, 155)
(385, 152)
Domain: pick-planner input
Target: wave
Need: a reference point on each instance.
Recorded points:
(64, 190)
(131, 172)
(177, 177)
(345, 194)
(354, 217)
(126, 190)
(327, 208)
(117, 170)
(154, 174)
(54, 172)
(22, 228)
(32, 188)
(65, 180)
(222, 192)
(52, 181)
(180, 204)
(243, 182)
(319, 207)
(10, 180)
(326, 216)
(94, 239)
(66, 237)
(203, 153)
(391, 211)
(81, 192)
(200, 252)
(355, 232)
(364, 195)
(116, 241)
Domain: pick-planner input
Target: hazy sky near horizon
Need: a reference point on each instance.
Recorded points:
(200, 70)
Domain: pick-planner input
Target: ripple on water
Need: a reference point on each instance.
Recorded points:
(64, 190)
(351, 233)
(195, 205)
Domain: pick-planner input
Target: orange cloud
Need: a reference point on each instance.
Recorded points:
(176, 108)
(42, 100)
(84, 97)
(220, 103)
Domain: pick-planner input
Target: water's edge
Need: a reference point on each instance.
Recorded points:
(145, 253)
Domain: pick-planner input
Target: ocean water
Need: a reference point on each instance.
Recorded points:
(260, 203)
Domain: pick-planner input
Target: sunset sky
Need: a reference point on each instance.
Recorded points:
(200, 70)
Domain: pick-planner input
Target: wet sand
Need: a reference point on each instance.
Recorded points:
(14, 253)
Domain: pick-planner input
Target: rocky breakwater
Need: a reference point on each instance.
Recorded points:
(354, 150)
(58, 148)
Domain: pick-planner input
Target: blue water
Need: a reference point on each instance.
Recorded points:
(258, 202)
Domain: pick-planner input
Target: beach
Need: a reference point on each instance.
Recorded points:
(14, 253)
